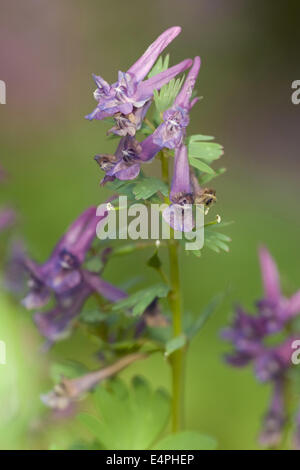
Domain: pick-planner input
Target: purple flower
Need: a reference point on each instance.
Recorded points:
(69, 391)
(129, 124)
(56, 324)
(274, 307)
(64, 276)
(275, 418)
(125, 164)
(185, 191)
(171, 132)
(271, 363)
(179, 214)
(130, 92)
(246, 334)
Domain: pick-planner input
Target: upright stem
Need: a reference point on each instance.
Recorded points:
(177, 358)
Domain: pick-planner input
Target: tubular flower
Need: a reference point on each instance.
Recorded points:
(64, 276)
(130, 92)
(274, 419)
(69, 391)
(276, 309)
(125, 164)
(179, 214)
(171, 132)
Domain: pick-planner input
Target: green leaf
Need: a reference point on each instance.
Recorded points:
(216, 241)
(174, 344)
(140, 300)
(128, 418)
(122, 187)
(140, 188)
(160, 65)
(202, 319)
(195, 162)
(94, 264)
(207, 151)
(206, 178)
(197, 137)
(164, 98)
(149, 186)
(186, 440)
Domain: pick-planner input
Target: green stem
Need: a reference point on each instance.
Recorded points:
(177, 358)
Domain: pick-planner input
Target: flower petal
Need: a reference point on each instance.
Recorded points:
(185, 94)
(110, 292)
(270, 275)
(145, 89)
(181, 175)
(180, 218)
(293, 305)
(144, 64)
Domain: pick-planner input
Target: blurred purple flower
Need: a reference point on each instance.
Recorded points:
(274, 307)
(275, 418)
(171, 132)
(271, 363)
(130, 92)
(68, 391)
(64, 276)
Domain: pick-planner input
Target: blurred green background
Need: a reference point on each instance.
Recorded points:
(249, 52)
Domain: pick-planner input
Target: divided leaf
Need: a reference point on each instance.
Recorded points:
(140, 300)
(207, 151)
(128, 418)
(147, 187)
(202, 153)
(216, 241)
(160, 65)
(143, 187)
(164, 98)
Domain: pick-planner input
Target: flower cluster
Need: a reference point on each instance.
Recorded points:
(249, 335)
(128, 101)
(64, 276)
